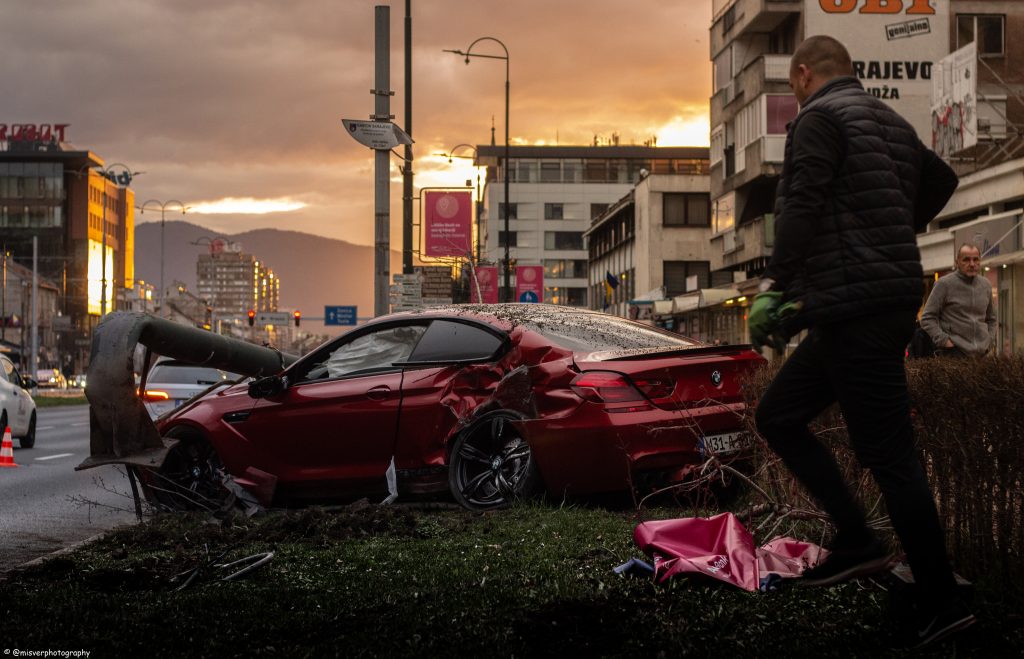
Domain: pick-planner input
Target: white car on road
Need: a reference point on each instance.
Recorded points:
(17, 409)
(171, 383)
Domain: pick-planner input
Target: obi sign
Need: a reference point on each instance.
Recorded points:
(485, 288)
(529, 283)
(894, 45)
(448, 223)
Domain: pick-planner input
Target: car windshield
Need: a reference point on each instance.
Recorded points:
(585, 332)
(186, 374)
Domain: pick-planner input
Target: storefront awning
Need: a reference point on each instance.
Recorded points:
(705, 297)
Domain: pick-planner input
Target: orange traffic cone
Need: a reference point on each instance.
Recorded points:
(7, 450)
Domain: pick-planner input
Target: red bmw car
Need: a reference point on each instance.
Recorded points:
(487, 402)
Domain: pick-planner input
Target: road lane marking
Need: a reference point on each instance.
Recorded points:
(85, 423)
(45, 427)
(58, 455)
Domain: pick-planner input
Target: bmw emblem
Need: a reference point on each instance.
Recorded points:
(716, 378)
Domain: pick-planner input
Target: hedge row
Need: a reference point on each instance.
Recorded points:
(969, 429)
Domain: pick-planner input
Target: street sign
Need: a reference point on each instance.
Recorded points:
(273, 318)
(340, 315)
(382, 135)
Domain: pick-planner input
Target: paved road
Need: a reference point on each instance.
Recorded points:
(43, 503)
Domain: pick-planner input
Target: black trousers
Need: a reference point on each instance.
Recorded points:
(860, 364)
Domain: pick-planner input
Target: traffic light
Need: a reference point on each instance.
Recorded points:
(252, 317)
(298, 317)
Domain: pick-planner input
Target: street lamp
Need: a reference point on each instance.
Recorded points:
(479, 202)
(163, 207)
(107, 172)
(508, 206)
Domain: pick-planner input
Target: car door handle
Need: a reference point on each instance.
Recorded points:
(380, 392)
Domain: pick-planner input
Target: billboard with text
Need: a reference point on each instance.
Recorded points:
(894, 44)
(448, 223)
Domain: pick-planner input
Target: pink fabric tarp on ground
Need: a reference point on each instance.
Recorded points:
(720, 547)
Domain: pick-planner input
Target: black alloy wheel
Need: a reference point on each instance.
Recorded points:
(491, 464)
(190, 478)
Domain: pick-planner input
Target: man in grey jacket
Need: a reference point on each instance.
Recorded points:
(958, 315)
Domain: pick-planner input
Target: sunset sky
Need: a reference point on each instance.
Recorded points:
(234, 107)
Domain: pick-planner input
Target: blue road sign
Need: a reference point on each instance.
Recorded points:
(339, 315)
(528, 296)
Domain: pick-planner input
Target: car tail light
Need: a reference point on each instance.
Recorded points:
(155, 395)
(605, 387)
(656, 390)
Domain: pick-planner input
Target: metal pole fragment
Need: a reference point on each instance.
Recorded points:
(382, 162)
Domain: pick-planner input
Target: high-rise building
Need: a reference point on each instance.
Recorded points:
(233, 282)
(554, 192)
(971, 110)
(54, 192)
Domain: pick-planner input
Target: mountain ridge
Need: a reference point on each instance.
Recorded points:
(315, 271)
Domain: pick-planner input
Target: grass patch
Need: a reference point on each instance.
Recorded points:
(59, 401)
(371, 581)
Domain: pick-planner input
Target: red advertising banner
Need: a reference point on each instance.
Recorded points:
(448, 223)
(529, 283)
(487, 278)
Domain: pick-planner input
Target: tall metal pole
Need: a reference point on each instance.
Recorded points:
(161, 255)
(509, 296)
(3, 303)
(382, 162)
(103, 253)
(407, 165)
(34, 364)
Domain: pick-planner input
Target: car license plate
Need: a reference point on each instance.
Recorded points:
(729, 442)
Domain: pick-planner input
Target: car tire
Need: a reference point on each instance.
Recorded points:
(29, 440)
(3, 421)
(190, 478)
(491, 464)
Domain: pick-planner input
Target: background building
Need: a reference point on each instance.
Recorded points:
(52, 191)
(652, 244)
(899, 58)
(233, 282)
(555, 191)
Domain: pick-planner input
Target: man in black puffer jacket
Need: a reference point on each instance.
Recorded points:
(857, 183)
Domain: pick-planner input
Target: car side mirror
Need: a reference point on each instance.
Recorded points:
(28, 383)
(266, 387)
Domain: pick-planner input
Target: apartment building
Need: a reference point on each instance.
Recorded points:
(651, 245)
(233, 283)
(554, 192)
(898, 50)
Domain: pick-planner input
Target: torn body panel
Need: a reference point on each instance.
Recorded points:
(120, 430)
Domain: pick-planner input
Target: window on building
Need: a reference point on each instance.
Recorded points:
(511, 238)
(597, 209)
(565, 268)
(513, 211)
(676, 272)
(987, 29)
(572, 171)
(570, 296)
(554, 211)
(563, 240)
(781, 110)
(687, 209)
(595, 171)
(551, 172)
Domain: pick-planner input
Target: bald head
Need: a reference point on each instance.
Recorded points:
(816, 61)
(823, 55)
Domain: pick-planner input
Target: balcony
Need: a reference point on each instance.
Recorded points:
(733, 18)
(743, 244)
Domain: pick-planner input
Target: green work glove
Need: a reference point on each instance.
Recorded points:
(765, 319)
